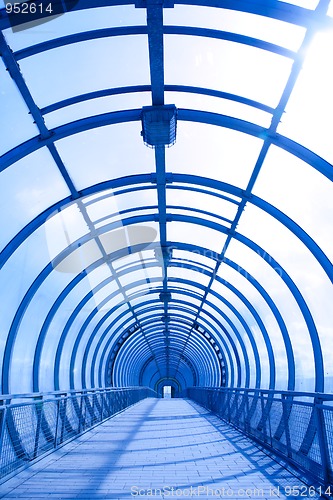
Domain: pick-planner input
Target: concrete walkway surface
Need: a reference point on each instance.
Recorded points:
(158, 448)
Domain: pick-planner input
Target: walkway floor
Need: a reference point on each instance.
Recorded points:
(166, 448)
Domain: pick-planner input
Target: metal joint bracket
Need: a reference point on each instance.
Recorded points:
(169, 178)
(159, 125)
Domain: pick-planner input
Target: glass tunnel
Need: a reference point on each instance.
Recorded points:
(166, 195)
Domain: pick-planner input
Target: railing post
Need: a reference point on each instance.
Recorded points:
(235, 408)
(57, 424)
(263, 416)
(63, 418)
(93, 407)
(81, 413)
(246, 412)
(108, 406)
(229, 407)
(2, 427)
(286, 413)
(322, 438)
(39, 410)
(84, 412)
(102, 405)
(269, 420)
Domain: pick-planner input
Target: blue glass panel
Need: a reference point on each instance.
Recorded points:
(225, 106)
(196, 235)
(30, 326)
(306, 198)
(104, 153)
(26, 189)
(94, 107)
(75, 22)
(217, 206)
(313, 284)
(16, 277)
(309, 111)
(55, 329)
(64, 62)
(261, 27)
(210, 63)
(307, 4)
(214, 152)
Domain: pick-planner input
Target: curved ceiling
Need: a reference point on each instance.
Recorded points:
(166, 194)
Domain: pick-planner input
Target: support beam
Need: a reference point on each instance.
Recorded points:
(45, 134)
(156, 56)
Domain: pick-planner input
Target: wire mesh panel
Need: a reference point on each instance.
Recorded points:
(69, 416)
(22, 427)
(242, 410)
(88, 415)
(314, 452)
(47, 436)
(276, 418)
(234, 408)
(299, 420)
(8, 457)
(254, 412)
(27, 430)
(222, 403)
(105, 405)
(328, 419)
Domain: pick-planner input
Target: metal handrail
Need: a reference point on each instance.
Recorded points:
(323, 395)
(35, 395)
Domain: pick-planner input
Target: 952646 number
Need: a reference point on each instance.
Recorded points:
(28, 8)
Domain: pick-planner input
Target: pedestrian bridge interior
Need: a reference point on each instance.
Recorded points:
(166, 221)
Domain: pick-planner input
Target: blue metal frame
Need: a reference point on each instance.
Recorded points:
(147, 88)
(270, 8)
(101, 336)
(88, 320)
(183, 334)
(192, 115)
(181, 179)
(211, 326)
(313, 245)
(114, 333)
(202, 350)
(156, 40)
(95, 332)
